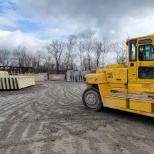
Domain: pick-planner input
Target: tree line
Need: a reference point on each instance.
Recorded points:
(75, 53)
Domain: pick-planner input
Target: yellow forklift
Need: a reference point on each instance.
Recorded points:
(129, 89)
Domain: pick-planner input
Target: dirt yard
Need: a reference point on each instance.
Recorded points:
(49, 118)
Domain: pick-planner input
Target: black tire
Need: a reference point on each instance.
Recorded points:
(92, 100)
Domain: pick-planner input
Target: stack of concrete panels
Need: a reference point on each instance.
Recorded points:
(4, 73)
(70, 75)
(77, 76)
(37, 77)
(83, 73)
(45, 75)
(15, 82)
(57, 77)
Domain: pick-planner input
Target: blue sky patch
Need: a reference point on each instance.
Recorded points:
(27, 26)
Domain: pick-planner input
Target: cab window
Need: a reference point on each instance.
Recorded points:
(146, 72)
(132, 55)
(146, 53)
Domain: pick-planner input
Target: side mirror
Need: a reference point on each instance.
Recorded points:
(127, 43)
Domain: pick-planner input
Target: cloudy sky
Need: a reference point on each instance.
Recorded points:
(34, 23)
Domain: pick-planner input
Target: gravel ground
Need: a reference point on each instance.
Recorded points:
(49, 118)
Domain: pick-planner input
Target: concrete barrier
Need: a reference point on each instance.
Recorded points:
(45, 75)
(16, 82)
(11, 82)
(70, 75)
(4, 73)
(76, 76)
(37, 77)
(57, 77)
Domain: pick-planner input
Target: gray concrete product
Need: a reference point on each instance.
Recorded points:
(83, 73)
(57, 77)
(76, 76)
(4, 73)
(45, 76)
(16, 82)
(37, 77)
(77, 73)
(70, 72)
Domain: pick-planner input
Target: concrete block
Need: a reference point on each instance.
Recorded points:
(16, 82)
(4, 74)
(77, 73)
(25, 81)
(37, 77)
(83, 73)
(57, 77)
(45, 75)
(70, 72)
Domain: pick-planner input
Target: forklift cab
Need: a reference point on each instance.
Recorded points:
(141, 59)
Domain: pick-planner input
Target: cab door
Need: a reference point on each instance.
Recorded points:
(145, 64)
(132, 63)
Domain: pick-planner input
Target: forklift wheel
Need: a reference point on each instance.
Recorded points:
(92, 100)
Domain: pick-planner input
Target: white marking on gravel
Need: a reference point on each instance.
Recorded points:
(2, 119)
(14, 126)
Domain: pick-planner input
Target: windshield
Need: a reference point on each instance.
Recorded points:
(146, 53)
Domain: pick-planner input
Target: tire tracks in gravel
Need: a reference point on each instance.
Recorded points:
(55, 121)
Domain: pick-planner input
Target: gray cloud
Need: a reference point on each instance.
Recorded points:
(107, 18)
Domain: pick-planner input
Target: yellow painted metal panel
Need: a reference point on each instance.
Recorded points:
(96, 78)
(141, 88)
(115, 66)
(116, 75)
(136, 112)
(140, 105)
(132, 72)
(115, 102)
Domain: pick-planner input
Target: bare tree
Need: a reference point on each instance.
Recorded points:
(5, 57)
(106, 47)
(84, 62)
(98, 51)
(80, 50)
(120, 49)
(56, 49)
(88, 46)
(38, 59)
(19, 56)
(28, 60)
(69, 55)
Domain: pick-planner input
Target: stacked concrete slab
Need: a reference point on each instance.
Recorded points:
(56, 77)
(10, 82)
(45, 75)
(83, 73)
(77, 76)
(4, 73)
(70, 75)
(37, 77)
